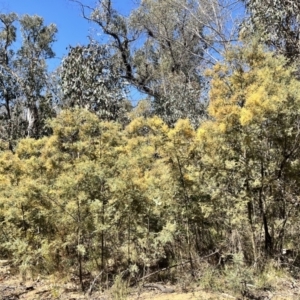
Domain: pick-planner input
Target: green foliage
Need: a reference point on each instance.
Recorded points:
(255, 106)
(90, 79)
(119, 290)
(237, 273)
(95, 194)
(169, 58)
(88, 190)
(269, 276)
(23, 77)
(91, 192)
(158, 49)
(210, 279)
(276, 23)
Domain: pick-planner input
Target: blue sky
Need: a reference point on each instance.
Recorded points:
(72, 28)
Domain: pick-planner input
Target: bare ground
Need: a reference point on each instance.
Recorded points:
(13, 287)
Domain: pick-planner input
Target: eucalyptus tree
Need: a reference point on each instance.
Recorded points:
(277, 22)
(90, 79)
(23, 75)
(31, 63)
(159, 49)
(9, 84)
(170, 58)
(221, 21)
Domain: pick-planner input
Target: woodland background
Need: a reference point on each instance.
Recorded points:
(205, 165)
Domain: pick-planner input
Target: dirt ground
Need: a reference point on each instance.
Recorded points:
(13, 287)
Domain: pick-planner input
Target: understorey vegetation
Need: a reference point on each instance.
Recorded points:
(199, 179)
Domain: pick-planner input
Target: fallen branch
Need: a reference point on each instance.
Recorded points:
(159, 287)
(90, 290)
(177, 265)
(161, 270)
(43, 291)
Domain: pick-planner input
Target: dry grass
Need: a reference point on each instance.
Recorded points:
(285, 288)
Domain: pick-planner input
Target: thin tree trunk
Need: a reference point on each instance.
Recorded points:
(268, 238)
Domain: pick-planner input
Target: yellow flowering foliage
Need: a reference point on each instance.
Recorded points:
(249, 149)
(96, 195)
(53, 185)
(250, 86)
(93, 189)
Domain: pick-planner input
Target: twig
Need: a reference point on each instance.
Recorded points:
(168, 268)
(161, 270)
(90, 290)
(159, 287)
